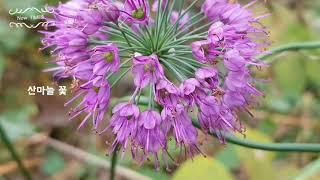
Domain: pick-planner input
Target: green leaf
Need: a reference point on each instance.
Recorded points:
(257, 163)
(10, 38)
(53, 164)
(295, 31)
(268, 126)
(290, 77)
(310, 171)
(16, 122)
(12, 4)
(278, 104)
(228, 156)
(155, 175)
(312, 71)
(202, 168)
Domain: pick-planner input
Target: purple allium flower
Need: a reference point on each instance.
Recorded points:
(214, 8)
(199, 72)
(155, 5)
(146, 69)
(79, 14)
(124, 124)
(215, 117)
(208, 77)
(149, 120)
(234, 61)
(92, 21)
(137, 11)
(205, 51)
(184, 132)
(111, 12)
(183, 21)
(167, 94)
(238, 19)
(216, 31)
(191, 91)
(67, 41)
(100, 35)
(95, 103)
(82, 70)
(106, 59)
(65, 15)
(150, 138)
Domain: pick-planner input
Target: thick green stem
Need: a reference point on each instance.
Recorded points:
(14, 154)
(291, 47)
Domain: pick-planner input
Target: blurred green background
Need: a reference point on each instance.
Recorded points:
(51, 148)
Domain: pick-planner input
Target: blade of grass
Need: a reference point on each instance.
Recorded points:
(14, 154)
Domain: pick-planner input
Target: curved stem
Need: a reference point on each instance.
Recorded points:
(282, 147)
(291, 47)
(14, 154)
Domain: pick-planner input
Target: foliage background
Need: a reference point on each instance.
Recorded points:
(290, 111)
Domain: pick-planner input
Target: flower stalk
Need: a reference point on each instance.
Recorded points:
(291, 47)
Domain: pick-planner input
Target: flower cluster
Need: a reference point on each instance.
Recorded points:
(187, 64)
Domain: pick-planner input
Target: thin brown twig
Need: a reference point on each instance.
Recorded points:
(90, 158)
(11, 166)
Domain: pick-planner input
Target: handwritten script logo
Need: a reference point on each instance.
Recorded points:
(22, 11)
(21, 17)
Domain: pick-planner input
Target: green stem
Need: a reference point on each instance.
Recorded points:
(113, 164)
(150, 96)
(282, 147)
(150, 37)
(171, 31)
(181, 61)
(13, 153)
(183, 69)
(175, 71)
(120, 77)
(185, 39)
(192, 61)
(124, 35)
(120, 34)
(187, 27)
(291, 47)
(199, 29)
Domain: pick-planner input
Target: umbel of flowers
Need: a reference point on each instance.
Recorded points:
(189, 64)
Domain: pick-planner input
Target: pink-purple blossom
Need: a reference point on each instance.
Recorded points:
(123, 124)
(205, 51)
(179, 75)
(137, 11)
(167, 94)
(106, 59)
(146, 70)
(151, 137)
